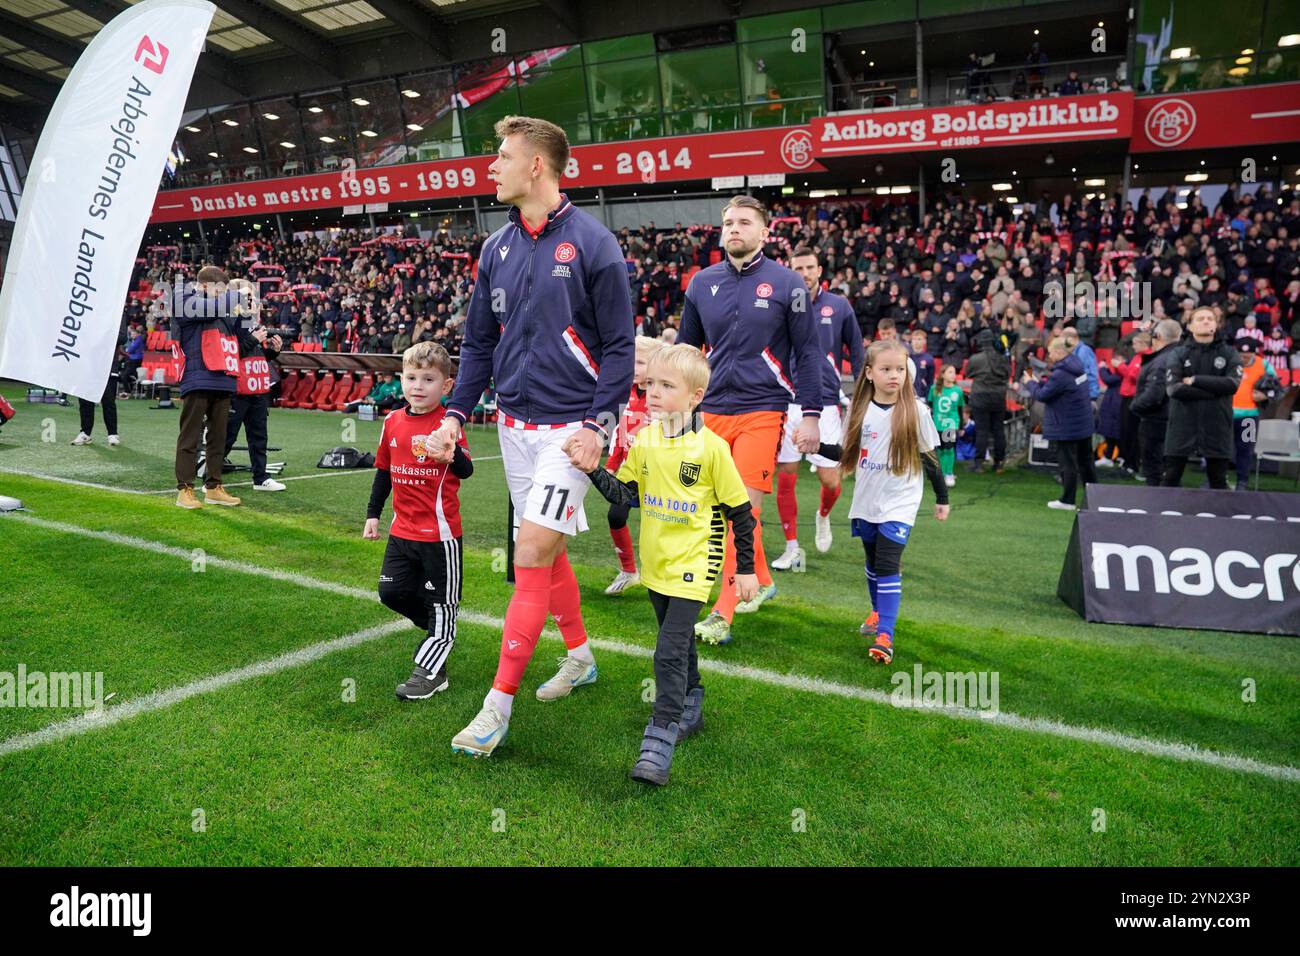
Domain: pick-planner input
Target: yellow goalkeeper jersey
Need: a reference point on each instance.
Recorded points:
(683, 482)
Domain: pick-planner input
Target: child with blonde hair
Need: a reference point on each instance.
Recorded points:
(682, 477)
(889, 442)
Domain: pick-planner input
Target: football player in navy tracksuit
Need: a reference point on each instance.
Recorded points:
(754, 317)
(550, 323)
(839, 330)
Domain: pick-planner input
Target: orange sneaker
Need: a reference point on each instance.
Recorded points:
(219, 496)
(868, 628)
(883, 649)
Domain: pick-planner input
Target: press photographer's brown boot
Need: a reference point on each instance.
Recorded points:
(185, 498)
(219, 496)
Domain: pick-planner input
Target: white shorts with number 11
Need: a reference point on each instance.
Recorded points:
(544, 487)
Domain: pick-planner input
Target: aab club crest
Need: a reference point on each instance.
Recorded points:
(1170, 122)
(689, 473)
(797, 149)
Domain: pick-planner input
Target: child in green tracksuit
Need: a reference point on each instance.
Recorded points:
(948, 405)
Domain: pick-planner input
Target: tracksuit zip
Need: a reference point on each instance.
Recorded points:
(528, 306)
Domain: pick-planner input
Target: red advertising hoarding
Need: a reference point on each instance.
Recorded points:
(1053, 119)
(1247, 116)
(786, 149)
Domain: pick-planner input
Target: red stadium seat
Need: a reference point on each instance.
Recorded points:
(287, 385)
(359, 391)
(303, 392)
(324, 386)
(338, 396)
(314, 347)
(1103, 356)
(1126, 327)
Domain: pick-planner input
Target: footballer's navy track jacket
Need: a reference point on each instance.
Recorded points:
(550, 322)
(754, 321)
(838, 328)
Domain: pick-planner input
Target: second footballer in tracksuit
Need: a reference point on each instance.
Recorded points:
(838, 328)
(753, 318)
(550, 323)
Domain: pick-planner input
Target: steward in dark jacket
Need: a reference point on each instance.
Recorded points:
(1151, 403)
(1201, 378)
(1200, 414)
(1151, 400)
(990, 372)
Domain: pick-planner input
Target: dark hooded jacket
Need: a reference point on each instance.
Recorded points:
(1200, 414)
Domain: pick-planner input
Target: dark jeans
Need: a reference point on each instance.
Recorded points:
(1075, 458)
(990, 422)
(1243, 448)
(1151, 436)
(251, 412)
(1216, 469)
(109, 404)
(676, 664)
(196, 406)
(129, 374)
(1129, 445)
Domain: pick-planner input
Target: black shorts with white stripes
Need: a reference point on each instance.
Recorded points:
(422, 581)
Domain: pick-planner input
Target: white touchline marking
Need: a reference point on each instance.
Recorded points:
(172, 491)
(72, 726)
(1188, 753)
(74, 481)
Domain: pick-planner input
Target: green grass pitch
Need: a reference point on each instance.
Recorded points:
(280, 768)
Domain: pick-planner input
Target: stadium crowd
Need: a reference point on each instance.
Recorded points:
(1024, 276)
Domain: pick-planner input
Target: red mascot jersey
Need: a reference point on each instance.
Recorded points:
(425, 502)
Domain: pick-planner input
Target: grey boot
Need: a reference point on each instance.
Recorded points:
(656, 754)
(692, 714)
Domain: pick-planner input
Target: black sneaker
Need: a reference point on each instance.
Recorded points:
(692, 714)
(656, 754)
(422, 685)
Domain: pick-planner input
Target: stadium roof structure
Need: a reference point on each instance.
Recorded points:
(254, 47)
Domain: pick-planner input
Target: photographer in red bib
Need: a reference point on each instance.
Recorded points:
(250, 408)
(205, 320)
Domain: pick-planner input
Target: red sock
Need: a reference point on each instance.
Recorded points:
(623, 548)
(566, 603)
(829, 497)
(525, 618)
(787, 505)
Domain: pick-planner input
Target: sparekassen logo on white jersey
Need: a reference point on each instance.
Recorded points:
(1194, 572)
(73, 909)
